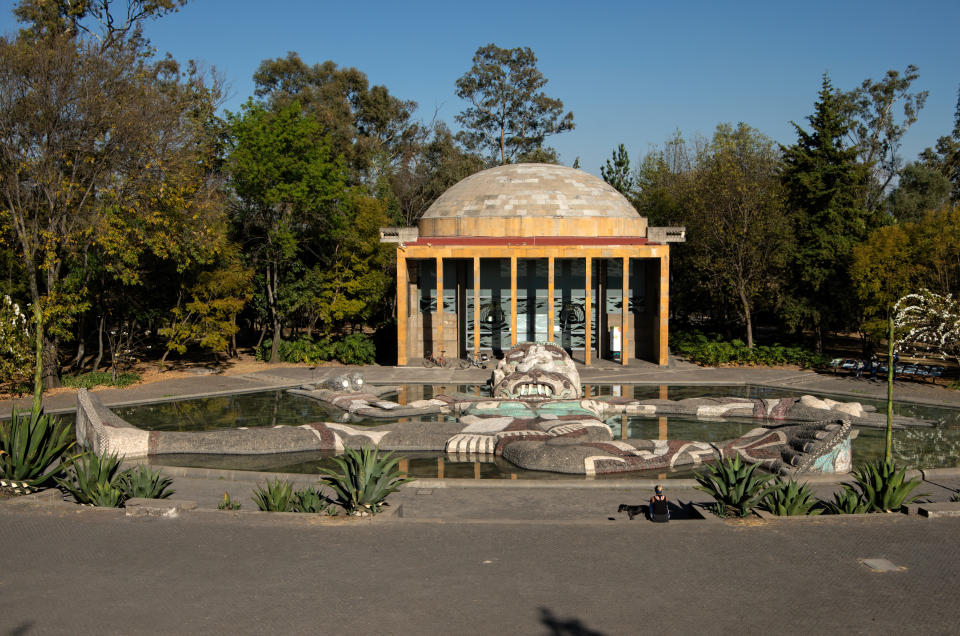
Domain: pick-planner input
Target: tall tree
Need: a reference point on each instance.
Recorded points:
(289, 183)
(824, 181)
(98, 142)
(509, 114)
(742, 239)
(945, 157)
(616, 172)
(876, 130)
(921, 188)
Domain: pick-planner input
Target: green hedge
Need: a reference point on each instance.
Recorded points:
(713, 350)
(356, 348)
(100, 378)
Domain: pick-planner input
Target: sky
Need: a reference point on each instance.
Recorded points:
(631, 72)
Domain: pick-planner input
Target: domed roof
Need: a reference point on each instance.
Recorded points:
(532, 199)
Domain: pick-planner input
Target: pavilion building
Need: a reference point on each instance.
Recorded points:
(532, 252)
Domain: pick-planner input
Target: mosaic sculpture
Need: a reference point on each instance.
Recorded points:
(534, 418)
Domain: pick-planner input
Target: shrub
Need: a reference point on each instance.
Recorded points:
(227, 503)
(882, 487)
(787, 498)
(733, 484)
(277, 497)
(92, 479)
(145, 483)
(357, 348)
(365, 481)
(845, 502)
(100, 378)
(713, 350)
(312, 500)
(32, 448)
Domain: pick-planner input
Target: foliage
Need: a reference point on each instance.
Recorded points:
(276, 497)
(882, 486)
(929, 320)
(16, 344)
(93, 479)
(356, 348)
(875, 130)
(743, 242)
(616, 172)
(787, 497)
(100, 378)
(144, 483)
(33, 447)
(509, 114)
(311, 500)
(734, 484)
(824, 182)
(227, 503)
(921, 188)
(713, 350)
(846, 502)
(365, 479)
(945, 156)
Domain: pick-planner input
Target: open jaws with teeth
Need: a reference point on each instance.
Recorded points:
(534, 390)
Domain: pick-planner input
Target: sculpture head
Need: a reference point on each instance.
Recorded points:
(532, 371)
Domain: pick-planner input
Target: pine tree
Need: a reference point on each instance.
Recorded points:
(823, 180)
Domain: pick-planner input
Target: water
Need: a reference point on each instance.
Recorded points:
(935, 447)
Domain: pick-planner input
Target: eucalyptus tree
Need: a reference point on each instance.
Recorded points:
(509, 114)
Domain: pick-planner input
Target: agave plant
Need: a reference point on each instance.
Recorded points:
(365, 480)
(311, 500)
(228, 503)
(276, 497)
(734, 484)
(787, 498)
(32, 449)
(846, 502)
(145, 483)
(883, 486)
(93, 478)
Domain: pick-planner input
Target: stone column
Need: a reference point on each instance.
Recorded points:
(439, 345)
(550, 308)
(588, 325)
(513, 300)
(403, 295)
(624, 307)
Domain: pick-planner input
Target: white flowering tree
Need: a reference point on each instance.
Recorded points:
(928, 321)
(16, 344)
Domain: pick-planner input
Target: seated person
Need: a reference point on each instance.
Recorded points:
(659, 509)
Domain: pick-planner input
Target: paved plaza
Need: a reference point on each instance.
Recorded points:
(469, 557)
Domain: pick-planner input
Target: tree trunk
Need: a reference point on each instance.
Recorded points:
(51, 371)
(503, 149)
(271, 279)
(96, 362)
(747, 318)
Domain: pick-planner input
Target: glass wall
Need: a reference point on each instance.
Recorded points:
(569, 303)
(494, 303)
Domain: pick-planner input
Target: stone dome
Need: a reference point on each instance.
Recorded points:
(532, 199)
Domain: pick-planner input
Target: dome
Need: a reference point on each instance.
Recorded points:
(532, 199)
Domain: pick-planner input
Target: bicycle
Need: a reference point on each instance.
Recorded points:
(474, 362)
(431, 360)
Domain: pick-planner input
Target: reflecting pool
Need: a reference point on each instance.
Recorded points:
(934, 447)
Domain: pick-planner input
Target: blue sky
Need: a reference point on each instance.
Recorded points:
(631, 72)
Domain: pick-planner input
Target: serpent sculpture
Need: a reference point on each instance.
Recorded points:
(535, 418)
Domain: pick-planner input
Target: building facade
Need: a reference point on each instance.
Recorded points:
(532, 252)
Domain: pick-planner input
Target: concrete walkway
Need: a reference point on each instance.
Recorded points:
(475, 557)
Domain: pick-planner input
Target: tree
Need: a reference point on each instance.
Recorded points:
(921, 188)
(616, 172)
(824, 181)
(741, 240)
(366, 124)
(97, 143)
(878, 276)
(289, 183)
(509, 114)
(946, 157)
(875, 131)
(929, 321)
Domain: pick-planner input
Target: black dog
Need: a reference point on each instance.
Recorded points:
(632, 511)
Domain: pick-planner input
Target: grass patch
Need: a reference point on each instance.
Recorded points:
(100, 378)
